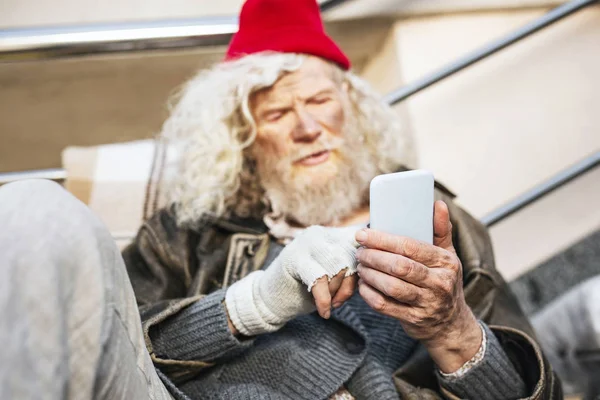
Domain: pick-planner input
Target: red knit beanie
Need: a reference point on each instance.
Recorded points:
(286, 26)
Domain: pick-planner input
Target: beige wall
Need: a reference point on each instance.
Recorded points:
(48, 105)
(26, 13)
(504, 125)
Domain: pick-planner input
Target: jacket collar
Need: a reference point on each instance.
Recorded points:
(234, 224)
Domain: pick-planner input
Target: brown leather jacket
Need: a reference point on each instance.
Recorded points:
(171, 267)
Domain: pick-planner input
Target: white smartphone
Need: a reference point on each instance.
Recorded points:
(402, 204)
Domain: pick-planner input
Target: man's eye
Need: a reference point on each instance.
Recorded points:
(274, 116)
(320, 100)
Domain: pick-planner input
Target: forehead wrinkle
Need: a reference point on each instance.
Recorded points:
(291, 86)
(297, 90)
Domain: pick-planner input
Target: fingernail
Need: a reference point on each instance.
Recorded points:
(327, 314)
(361, 236)
(336, 305)
(359, 252)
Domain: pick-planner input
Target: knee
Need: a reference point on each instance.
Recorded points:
(41, 215)
(27, 187)
(36, 198)
(41, 206)
(33, 192)
(51, 244)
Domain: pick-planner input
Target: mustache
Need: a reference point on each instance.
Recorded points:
(320, 146)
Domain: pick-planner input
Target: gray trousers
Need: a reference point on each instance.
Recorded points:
(69, 324)
(569, 332)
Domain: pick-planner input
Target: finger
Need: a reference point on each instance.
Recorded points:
(345, 291)
(380, 303)
(336, 282)
(392, 287)
(442, 226)
(395, 265)
(320, 292)
(422, 252)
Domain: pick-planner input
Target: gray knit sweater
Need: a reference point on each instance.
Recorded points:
(311, 358)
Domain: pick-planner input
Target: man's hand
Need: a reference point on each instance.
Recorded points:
(333, 293)
(315, 271)
(327, 293)
(421, 285)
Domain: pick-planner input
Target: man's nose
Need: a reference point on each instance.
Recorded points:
(307, 128)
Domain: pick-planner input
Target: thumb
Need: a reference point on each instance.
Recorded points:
(442, 227)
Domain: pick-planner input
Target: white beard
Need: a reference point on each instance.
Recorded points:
(307, 203)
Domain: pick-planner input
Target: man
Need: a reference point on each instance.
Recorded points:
(250, 284)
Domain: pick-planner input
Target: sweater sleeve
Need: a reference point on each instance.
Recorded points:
(198, 332)
(489, 375)
(184, 333)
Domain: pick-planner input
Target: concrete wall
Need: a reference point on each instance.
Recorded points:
(26, 13)
(48, 105)
(508, 123)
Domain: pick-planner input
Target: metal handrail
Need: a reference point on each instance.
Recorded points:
(58, 42)
(542, 190)
(551, 17)
(53, 174)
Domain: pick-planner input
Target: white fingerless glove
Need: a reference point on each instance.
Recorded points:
(264, 301)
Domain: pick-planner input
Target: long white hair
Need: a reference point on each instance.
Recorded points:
(211, 127)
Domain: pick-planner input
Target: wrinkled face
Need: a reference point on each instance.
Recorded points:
(308, 146)
(300, 121)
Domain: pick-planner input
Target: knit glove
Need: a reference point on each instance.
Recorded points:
(264, 301)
